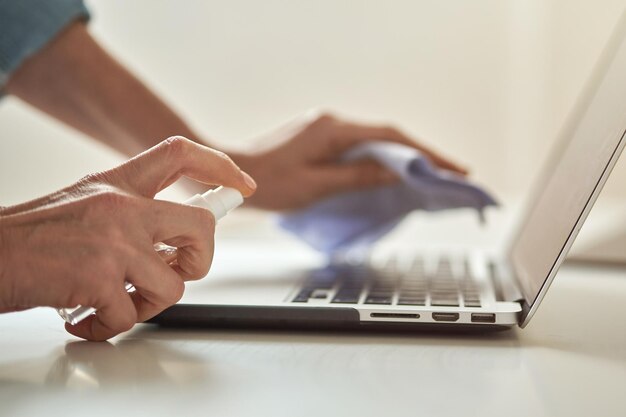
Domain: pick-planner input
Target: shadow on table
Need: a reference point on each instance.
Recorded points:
(336, 337)
(340, 354)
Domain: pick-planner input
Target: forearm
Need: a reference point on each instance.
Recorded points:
(76, 81)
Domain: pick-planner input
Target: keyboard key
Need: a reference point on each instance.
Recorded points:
(412, 301)
(408, 290)
(302, 297)
(352, 283)
(382, 290)
(380, 293)
(471, 295)
(346, 298)
(447, 295)
(378, 300)
(472, 303)
(444, 268)
(317, 294)
(443, 282)
(412, 292)
(444, 286)
(322, 285)
(445, 302)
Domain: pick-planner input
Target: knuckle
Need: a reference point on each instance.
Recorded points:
(110, 198)
(176, 146)
(323, 117)
(326, 119)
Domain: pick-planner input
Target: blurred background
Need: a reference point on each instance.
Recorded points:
(489, 82)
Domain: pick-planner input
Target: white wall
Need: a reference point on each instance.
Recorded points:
(488, 81)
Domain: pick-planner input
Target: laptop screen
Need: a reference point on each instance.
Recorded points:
(588, 149)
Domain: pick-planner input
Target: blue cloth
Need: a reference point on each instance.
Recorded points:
(358, 219)
(26, 26)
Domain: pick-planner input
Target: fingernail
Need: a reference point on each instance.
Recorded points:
(248, 179)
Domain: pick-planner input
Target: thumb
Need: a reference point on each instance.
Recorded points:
(160, 166)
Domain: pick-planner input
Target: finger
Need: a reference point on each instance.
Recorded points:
(348, 134)
(157, 285)
(167, 253)
(160, 166)
(117, 314)
(189, 229)
(351, 176)
(193, 263)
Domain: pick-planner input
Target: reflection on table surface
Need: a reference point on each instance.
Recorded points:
(565, 362)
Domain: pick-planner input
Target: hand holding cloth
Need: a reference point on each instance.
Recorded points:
(360, 218)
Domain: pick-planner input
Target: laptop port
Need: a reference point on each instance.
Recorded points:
(483, 318)
(445, 316)
(395, 315)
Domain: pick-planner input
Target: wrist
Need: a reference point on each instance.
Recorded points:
(13, 277)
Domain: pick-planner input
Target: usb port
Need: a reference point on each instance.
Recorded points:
(445, 316)
(483, 318)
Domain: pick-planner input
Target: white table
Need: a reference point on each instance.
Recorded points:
(570, 361)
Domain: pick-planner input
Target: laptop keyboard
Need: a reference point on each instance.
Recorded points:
(449, 284)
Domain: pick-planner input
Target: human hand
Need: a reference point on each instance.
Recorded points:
(80, 245)
(302, 163)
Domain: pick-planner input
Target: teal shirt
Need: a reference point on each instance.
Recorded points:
(26, 26)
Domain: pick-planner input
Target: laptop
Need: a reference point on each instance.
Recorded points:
(473, 291)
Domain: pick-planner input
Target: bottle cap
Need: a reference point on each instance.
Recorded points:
(218, 201)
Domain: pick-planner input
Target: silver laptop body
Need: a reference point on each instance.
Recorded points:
(443, 290)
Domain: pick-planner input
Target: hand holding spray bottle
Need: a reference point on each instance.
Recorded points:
(218, 201)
